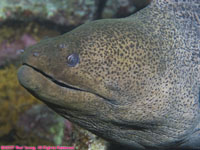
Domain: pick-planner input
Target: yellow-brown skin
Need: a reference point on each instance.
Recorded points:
(135, 83)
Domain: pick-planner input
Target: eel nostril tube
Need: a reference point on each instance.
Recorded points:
(35, 54)
(20, 51)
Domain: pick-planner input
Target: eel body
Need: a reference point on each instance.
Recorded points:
(133, 81)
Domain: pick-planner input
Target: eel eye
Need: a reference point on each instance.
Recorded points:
(72, 60)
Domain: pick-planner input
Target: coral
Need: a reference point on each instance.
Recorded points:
(68, 12)
(13, 99)
(43, 123)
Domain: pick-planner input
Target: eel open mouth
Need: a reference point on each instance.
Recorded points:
(34, 79)
(52, 79)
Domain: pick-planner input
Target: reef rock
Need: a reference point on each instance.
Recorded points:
(70, 12)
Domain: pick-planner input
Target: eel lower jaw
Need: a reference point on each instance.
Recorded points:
(49, 91)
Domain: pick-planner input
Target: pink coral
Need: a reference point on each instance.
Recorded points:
(9, 50)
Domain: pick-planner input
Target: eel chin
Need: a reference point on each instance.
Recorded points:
(55, 92)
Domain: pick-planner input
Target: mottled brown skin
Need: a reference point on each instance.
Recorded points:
(137, 83)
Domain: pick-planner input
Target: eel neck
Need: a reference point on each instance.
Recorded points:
(188, 10)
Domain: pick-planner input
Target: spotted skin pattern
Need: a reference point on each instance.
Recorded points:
(137, 81)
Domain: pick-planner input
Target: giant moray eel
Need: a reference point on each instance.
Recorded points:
(133, 81)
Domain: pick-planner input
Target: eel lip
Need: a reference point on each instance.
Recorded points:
(52, 79)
